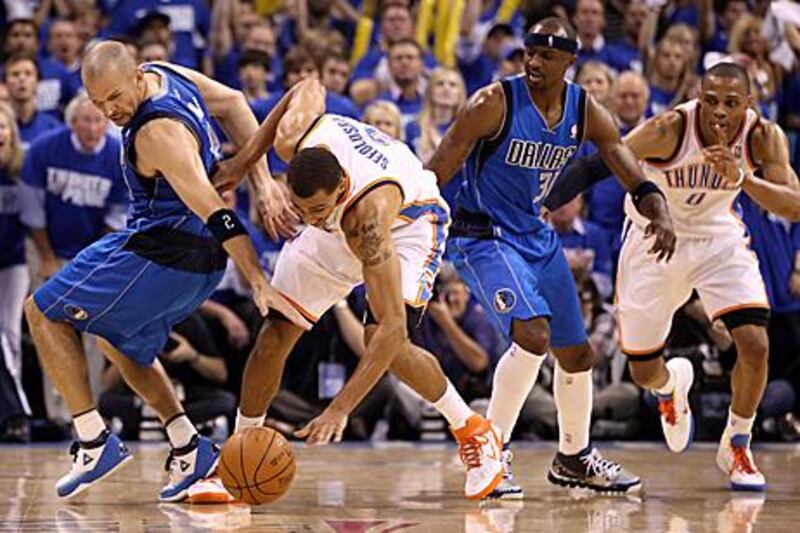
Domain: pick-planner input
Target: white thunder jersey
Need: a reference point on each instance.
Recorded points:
(371, 158)
(700, 200)
(317, 269)
(711, 254)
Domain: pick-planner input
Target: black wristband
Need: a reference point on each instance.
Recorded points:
(224, 225)
(642, 190)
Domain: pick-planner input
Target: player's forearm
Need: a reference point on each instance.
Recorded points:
(241, 250)
(381, 351)
(782, 200)
(263, 138)
(624, 165)
(449, 156)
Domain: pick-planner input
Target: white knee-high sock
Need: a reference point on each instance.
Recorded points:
(514, 378)
(573, 396)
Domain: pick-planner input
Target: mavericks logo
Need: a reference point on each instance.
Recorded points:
(504, 300)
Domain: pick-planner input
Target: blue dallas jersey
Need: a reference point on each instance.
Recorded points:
(508, 177)
(154, 202)
(70, 193)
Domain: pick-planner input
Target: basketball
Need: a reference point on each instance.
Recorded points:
(257, 465)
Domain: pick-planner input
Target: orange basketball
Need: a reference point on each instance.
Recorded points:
(257, 465)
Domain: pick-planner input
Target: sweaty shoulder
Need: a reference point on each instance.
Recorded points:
(160, 139)
(659, 138)
(485, 110)
(765, 140)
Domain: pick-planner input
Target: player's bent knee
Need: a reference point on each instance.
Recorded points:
(575, 358)
(532, 335)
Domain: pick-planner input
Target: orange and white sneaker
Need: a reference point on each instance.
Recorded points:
(735, 459)
(480, 448)
(676, 415)
(209, 490)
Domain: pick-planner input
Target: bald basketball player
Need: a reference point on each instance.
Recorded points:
(129, 288)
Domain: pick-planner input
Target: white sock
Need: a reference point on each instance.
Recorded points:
(453, 407)
(180, 430)
(573, 395)
(514, 378)
(247, 421)
(669, 386)
(738, 425)
(89, 425)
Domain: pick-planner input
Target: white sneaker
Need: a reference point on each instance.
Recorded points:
(480, 449)
(677, 421)
(735, 459)
(508, 488)
(209, 490)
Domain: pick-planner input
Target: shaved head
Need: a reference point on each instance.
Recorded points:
(553, 26)
(107, 57)
(113, 81)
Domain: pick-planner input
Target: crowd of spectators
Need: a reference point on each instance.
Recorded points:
(407, 68)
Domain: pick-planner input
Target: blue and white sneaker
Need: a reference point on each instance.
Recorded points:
(92, 462)
(507, 489)
(188, 465)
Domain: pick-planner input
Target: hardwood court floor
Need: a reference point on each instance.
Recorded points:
(357, 489)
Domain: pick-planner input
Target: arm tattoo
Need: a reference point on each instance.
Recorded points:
(371, 243)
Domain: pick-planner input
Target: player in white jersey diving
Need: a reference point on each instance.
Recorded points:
(373, 216)
(703, 154)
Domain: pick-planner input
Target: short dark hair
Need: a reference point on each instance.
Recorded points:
(727, 69)
(314, 169)
(253, 57)
(19, 57)
(294, 60)
(407, 41)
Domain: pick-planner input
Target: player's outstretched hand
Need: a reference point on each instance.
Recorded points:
(228, 175)
(664, 245)
(266, 297)
(277, 213)
(326, 427)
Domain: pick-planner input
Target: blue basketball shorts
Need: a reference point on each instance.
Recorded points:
(520, 277)
(131, 301)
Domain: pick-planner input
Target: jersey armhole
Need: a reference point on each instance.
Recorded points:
(748, 150)
(678, 146)
(583, 101)
(313, 126)
(380, 182)
(488, 146)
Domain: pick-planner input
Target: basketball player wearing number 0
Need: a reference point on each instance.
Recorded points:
(703, 154)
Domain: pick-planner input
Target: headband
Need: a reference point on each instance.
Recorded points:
(547, 40)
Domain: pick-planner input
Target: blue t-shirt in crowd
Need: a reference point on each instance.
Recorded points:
(40, 124)
(72, 193)
(686, 15)
(660, 100)
(190, 23)
(409, 107)
(12, 232)
(624, 56)
(368, 64)
(775, 242)
(55, 89)
(226, 71)
(479, 72)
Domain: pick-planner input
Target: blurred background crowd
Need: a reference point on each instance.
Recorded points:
(406, 67)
